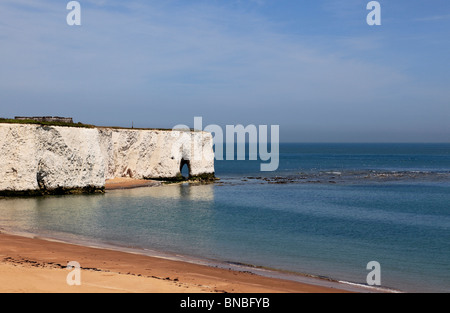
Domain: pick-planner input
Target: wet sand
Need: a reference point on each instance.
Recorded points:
(40, 266)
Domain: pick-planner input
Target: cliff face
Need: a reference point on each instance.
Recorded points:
(155, 154)
(42, 159)
(38, 159)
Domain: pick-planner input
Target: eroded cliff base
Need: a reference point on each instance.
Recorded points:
(52, 192)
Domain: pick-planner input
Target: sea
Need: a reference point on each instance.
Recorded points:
(324, 214)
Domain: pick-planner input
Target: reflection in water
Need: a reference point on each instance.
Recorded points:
(154, 217)
(35, 214)
(186, 191)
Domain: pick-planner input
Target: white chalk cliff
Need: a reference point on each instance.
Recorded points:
(54, 159)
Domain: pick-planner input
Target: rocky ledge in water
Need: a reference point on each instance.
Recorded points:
(334, 177)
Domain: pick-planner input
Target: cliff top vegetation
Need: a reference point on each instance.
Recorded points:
(79, 124)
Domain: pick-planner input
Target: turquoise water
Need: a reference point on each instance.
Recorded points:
(329, 210)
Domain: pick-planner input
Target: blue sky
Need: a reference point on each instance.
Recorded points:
(313, 67)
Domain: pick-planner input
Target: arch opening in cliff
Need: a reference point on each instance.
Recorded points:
(185, 168)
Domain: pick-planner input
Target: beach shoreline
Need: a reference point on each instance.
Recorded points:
(30, 264)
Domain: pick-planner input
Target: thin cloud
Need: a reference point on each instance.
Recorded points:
(433, 18)
(211, 46)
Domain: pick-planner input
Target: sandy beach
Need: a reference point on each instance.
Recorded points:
(127, 183)
(35, 265)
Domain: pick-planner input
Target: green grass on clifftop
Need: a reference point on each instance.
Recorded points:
(81, 125)
(13, 121)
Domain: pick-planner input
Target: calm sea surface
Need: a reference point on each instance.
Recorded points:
(328, 210)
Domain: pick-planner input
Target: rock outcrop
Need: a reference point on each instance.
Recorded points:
(36, 159)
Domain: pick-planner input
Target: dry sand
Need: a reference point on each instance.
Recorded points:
(39, 266)
(126, 183)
